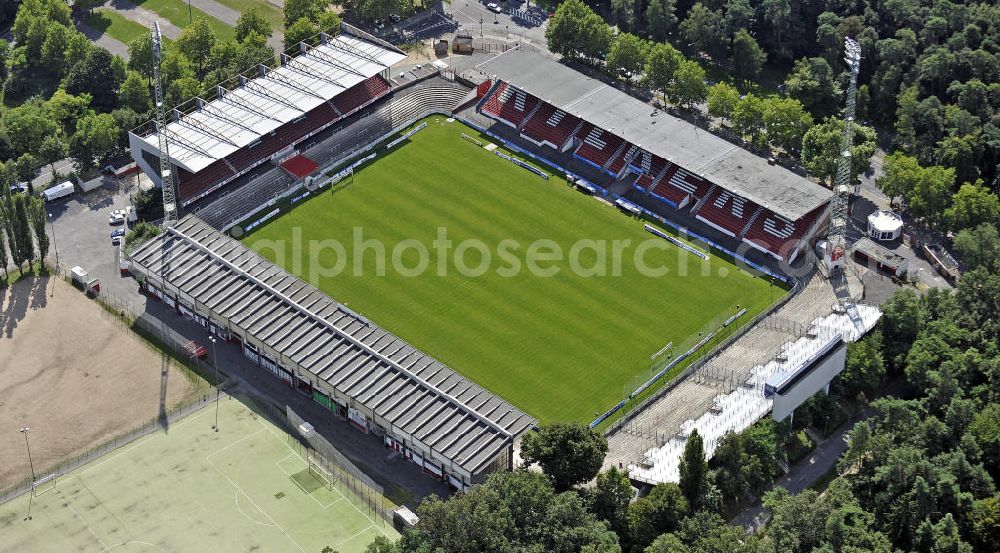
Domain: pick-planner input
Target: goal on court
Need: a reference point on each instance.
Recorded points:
(320, 473)
(44, 484)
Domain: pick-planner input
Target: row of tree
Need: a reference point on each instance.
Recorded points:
(22, 231)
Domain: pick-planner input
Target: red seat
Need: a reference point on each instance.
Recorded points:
(774, 233)
(550, 125)
(727, 212)
(191, 185)
(598, 145)
(510, 105)
(360, 95)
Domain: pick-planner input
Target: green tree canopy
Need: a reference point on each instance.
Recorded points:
(821, 149)
(748, 56)
(688, 86)
(703, 28)
(299, 31)
(812, 82)
(661, 64)
(134, 93)
(569, 453)
(693, 469)
(99, 75)
(722, 99)
(979, 246)
(251, 21)
(196, 42)
(95, 140)
(627, 56)
(972, 205)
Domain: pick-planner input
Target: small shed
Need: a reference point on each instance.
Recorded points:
(884, 226)
(462, 44)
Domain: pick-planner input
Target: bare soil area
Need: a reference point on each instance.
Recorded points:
(74, 376)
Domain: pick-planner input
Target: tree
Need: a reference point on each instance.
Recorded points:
(99, 75)
(309, 9)
(95, 139)
(704, 30)
(748, 118)
(134, 93)
(300, 31)
(971, 206)
(812, 82)
(865, 367)
(35, 208)
(66, 109)
(786, 122)
(569, 453)
(251, 21)
(610, 498)
(576, 31)
(624, 13)
(979, 246)
(661, 64)
(28, 125)
(53, 149)
(196, 42)
(722, 99)
(748, 56)
(657, 513)
(661, 19)
(667, 543)
(688, 86)
(627, 56)
(821, 149)
(140, 55)
(693, 468)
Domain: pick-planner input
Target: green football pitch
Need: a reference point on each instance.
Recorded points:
(560, 346)
(191, 489)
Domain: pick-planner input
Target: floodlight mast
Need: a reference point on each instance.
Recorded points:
(842, 184)
(836, 253)
(166, 177)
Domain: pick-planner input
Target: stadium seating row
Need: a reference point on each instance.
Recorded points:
(348, 102)
(730, 213)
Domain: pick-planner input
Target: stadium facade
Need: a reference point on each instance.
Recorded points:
(449, 426)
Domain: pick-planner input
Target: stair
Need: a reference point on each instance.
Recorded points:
(746, 227)
(702, 200)
(529, 116)
(615, 155)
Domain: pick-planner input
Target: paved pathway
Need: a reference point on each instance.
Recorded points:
(143, 16)
(112, 45)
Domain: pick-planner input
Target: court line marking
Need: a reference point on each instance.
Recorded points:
(254, 503)
(362, 513)
(369, 527)
(289, 475)
(87, 526)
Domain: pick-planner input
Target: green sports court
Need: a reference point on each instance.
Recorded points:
(188, 489)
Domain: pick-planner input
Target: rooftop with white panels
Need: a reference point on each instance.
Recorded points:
(747, 404)
(242, 115)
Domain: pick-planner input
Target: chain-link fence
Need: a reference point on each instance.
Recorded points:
(139, 430)
(339, 472)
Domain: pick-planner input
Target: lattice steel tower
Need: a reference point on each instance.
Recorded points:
(166, 178)
(837, 249)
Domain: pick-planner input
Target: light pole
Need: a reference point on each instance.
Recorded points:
(480, 25)
(31, 465)
(215, 362)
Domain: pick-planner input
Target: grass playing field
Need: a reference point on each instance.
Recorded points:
(560, 347)
(192, 489)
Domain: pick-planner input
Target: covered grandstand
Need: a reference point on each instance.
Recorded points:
(214, 142)
(451, 427)
(723, 185)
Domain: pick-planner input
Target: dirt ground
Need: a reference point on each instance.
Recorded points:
(73, 376)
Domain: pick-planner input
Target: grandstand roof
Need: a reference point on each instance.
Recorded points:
(414, 392)
(246, 113)
(696, 150)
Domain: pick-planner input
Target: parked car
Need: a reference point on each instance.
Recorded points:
(395, 18)
(494, 7)
(116, 236)
(117, 217)
(18, 187)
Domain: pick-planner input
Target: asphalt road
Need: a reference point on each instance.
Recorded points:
(473, 17)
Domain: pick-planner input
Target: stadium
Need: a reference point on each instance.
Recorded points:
(450, 371)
